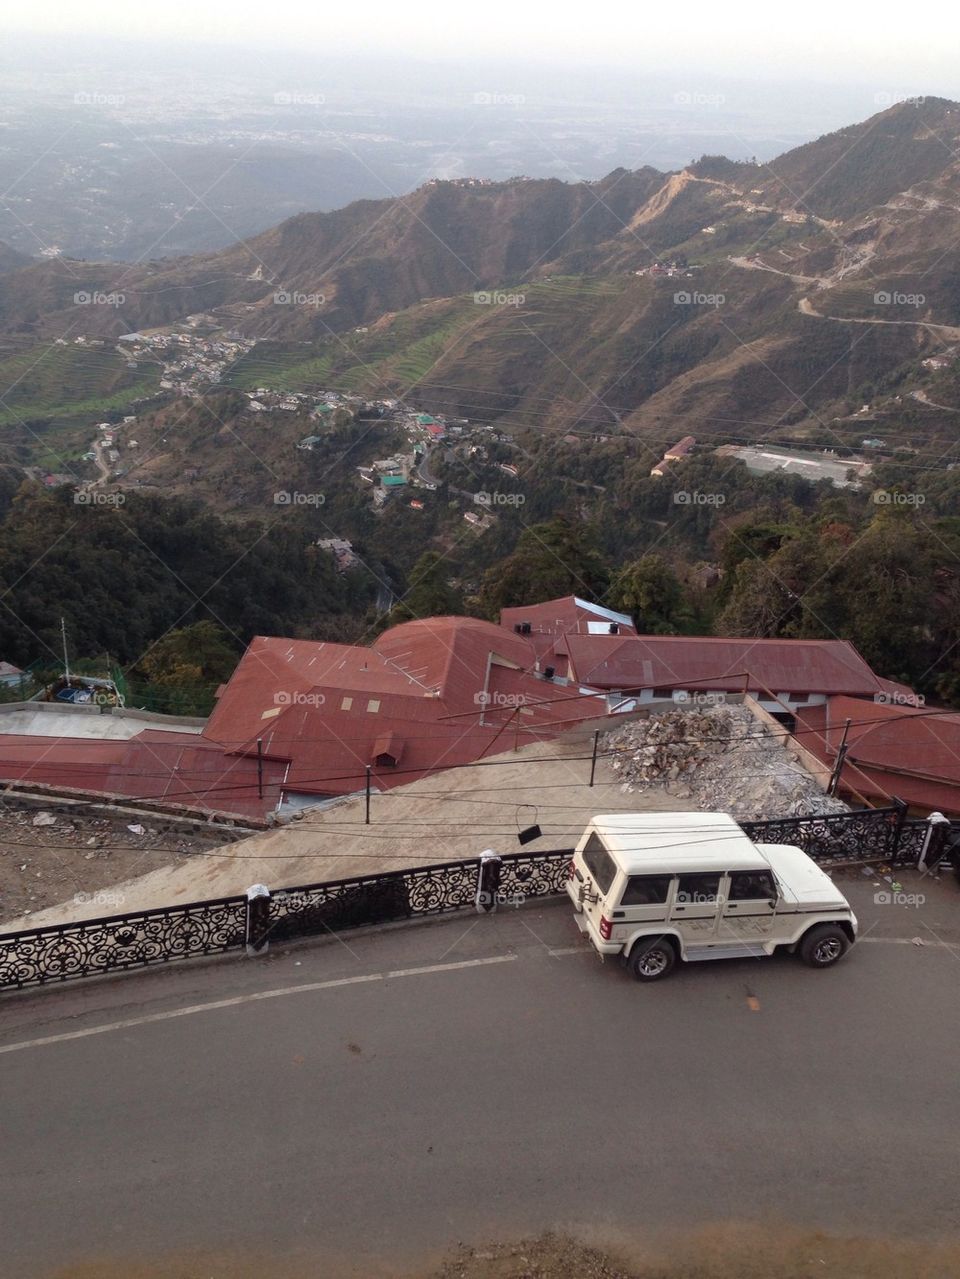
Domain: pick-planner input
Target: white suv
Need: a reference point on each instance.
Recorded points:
(657, 887)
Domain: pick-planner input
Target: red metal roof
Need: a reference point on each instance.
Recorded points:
(551, 621)
(891, 750)
(172, 768)
(449, 689)
(681, 448)
(682, 661)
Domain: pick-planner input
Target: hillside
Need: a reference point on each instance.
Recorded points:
(11, 259)
(729, 298)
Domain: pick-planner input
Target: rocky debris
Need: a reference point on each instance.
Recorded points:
(721, 758)
(550, 1257)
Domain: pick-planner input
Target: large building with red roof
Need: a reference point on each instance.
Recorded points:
(425, 695)
(301, 722)
(601, 649)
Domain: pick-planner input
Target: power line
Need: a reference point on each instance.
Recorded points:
(511, 761)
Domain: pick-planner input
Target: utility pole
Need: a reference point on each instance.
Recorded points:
(838, 766)
(260, 767)
(66, 660)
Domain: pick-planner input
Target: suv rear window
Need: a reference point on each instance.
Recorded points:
(599, 863)
(646, 890)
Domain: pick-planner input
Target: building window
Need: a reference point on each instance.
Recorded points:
(373, 706)
(346, 703)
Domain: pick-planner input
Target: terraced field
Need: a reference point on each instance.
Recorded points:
(59, 382)
(401, 351)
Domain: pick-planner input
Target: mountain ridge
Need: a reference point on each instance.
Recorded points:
(559, 301)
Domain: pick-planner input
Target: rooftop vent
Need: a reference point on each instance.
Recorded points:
(614, 628)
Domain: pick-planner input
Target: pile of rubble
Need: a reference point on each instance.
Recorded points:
(720, 758)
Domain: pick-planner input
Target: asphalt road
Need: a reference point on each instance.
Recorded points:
(365, 1102)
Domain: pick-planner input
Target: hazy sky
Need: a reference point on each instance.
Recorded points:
(895, 48)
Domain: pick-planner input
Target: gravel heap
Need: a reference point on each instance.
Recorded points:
(721, 758)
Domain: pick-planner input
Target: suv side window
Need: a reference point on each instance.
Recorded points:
(646, 890)
(752, 885)
(698, 890)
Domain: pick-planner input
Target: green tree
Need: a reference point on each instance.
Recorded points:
(428, 593)
(555, 558)
(650, 591)
(197, 654)
(785, 594)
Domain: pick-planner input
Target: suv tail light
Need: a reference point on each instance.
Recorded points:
(606, 927)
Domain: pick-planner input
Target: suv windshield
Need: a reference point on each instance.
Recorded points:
(599, 863)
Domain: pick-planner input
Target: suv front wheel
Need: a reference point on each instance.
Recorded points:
(824, 945)
(652, 959)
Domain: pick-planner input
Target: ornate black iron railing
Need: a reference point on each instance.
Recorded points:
(402, 894)
(39, 956)
(91, 947)
(841, 837)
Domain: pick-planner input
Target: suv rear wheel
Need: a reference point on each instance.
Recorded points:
(652, 958)
(824, 945)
